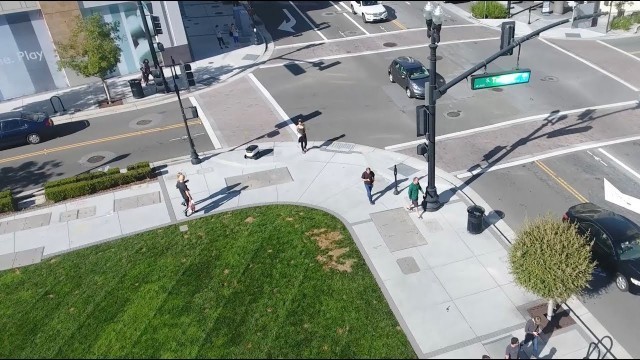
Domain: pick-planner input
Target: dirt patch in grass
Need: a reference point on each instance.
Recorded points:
(328, 240)
(249, 220)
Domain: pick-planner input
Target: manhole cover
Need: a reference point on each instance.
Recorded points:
(497, 89)
(350, 33)
(143, 122)
(329, 13)
(95, 159)
(453, 114)
(549, 78)
(389, 44)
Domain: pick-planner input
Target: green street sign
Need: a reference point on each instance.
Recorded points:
(512, 77)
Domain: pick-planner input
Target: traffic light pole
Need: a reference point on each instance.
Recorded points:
(195, 159)
(152, 49)
(432, 199)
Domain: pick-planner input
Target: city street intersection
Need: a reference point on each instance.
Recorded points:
(526, 149)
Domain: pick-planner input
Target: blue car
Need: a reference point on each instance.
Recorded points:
(17, 128)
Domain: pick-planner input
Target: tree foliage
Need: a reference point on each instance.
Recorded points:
(92, 48)
(551, 259)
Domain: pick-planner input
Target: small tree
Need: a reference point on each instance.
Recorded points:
(92, 49)
(551, 259)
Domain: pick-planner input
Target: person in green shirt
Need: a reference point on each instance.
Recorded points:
(414, 191)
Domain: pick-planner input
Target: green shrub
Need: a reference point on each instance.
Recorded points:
(621, 23)
(635, 17)
(7, 202)
(139, 165)
(81, 177)
(92, 186)
(488, 10)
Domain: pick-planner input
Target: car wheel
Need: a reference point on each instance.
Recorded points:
(364, 19)
(353, 10)
(409, 94)
(33, 138)
(391, 78)
(622, 283)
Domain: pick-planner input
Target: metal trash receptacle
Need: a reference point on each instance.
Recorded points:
(136, 88)
(475, 217)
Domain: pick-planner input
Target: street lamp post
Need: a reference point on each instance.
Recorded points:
(433, 18)
(195, 159)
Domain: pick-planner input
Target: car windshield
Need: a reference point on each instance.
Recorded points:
(630, 248)
(369, 3)
(417, 73)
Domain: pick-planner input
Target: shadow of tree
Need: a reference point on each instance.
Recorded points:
(28, 175)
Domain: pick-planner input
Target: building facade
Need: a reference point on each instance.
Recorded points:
(29, 30)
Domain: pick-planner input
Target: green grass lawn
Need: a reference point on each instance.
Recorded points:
(275, 281)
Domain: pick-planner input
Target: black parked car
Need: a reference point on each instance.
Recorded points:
(16, 128)
(411, 75)
(616, 241)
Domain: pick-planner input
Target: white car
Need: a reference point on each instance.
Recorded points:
(369, 10)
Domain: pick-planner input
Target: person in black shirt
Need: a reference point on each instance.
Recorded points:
(181, 185)
(369, 177)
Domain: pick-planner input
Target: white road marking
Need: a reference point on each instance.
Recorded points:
(364, 36)
(274, 103)
(622, 165)
(615, 196)
(597, 158)
(308, 21)
(592, 65)
(385, 30)
(620, 50)
(341, 56)
(185, 137)
(549, 155)
(345, 6)
(350, 18)
(206, 124)
(508, 123)
(408, 3)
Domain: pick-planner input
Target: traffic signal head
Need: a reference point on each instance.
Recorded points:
(157, 26)
(191, 81)
(422, 116)
(507, 35)
(422, 149)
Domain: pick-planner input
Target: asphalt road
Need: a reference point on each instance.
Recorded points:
(579, 98)
(117, 140)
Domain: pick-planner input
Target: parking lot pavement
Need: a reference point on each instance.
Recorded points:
(629, 45)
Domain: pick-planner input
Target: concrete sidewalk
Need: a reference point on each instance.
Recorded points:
(218, 67)
(524, 25)
(451, 291)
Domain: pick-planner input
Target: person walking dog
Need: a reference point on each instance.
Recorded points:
(414, 191)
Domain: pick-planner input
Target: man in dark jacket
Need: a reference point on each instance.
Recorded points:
(369, 177)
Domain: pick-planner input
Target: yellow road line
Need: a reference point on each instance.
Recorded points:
(97, 141)
(562, 183)
(398, 24)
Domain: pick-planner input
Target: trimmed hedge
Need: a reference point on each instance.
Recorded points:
(81, 177)
(91, 186)
(142, 164)
(488, 10)
(7, 203)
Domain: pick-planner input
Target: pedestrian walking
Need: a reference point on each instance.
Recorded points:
(145, 69)
(369, 177)
(181, 185)
(414, 191)
(513, 349)
(235, 35)
(302, 136)
(220, 39)
(532, 333)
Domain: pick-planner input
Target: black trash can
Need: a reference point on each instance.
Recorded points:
(136, 88)
(475, 216)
